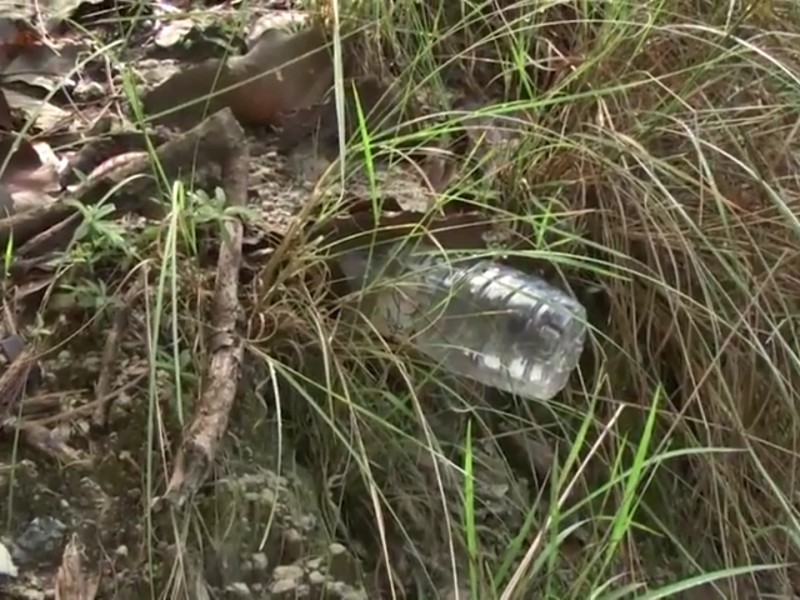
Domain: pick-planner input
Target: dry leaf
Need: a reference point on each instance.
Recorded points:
(284, 71)
(45, 116)
(72, 583)
(44, 66)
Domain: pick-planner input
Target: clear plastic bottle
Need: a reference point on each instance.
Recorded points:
(478, 318)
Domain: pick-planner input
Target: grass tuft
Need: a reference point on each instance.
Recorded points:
(653, 171)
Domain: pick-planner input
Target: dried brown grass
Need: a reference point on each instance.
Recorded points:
(667, 132)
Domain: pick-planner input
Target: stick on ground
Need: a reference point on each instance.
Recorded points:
(203, 437)
(211, 142)
(103, 394)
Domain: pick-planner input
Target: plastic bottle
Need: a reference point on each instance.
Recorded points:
(478, 318)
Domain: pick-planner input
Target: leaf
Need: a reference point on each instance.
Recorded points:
(44, 115)
(44, 66)
(284, 71)
(72, 583)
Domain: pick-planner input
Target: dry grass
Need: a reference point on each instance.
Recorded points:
(654, 172)
(664, 136)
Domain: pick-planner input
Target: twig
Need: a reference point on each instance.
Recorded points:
(208, 143)
(203, 437)
(100, 417)
(86, 408)
(14, 380)
(45, 441)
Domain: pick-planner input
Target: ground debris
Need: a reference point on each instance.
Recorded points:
(202, 440)
(273, 77)
(72, 580)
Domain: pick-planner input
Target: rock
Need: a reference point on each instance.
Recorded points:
(238, 591)
(260, 562)
(337, 590)
(293, 545)
(288, 583)
(42, 541)
(288, 573)
(316, 578)
(341, 565)
(283, 588)
(316, 584)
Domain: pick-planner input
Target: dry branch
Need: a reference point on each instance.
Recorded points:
(103, 395)
(203, 437)
(211, 142)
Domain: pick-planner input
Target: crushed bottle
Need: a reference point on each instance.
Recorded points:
(478, 318)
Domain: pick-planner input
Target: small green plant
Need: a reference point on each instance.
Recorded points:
(100, 232)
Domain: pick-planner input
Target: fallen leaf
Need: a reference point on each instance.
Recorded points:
(52, 13)
(285, 18)
(18, 155)
(72, 582)
(173, 32)
(45, 66)
(491, 139)
(30, 173)
(15, 35)
(45, 116)
(284, 71)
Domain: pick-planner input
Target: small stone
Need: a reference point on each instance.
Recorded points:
(7, 566)
(238, 590)
(260, 561)
(335, 590)
(341, 565)
(288, 573)
(316, 583)
(42, 540)
(283, 589)
(122, 551)
(293, 543)
(308, 523)
(316, 578)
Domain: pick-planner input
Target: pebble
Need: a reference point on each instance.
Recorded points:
(42, 540)
(238, 590)
(342, 566)
(260, 561)
(288, 573)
